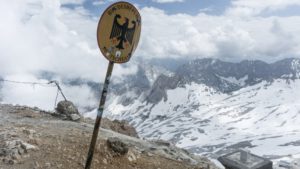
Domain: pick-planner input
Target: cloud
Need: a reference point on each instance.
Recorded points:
(205, 10)
(256, 7)
(172, 36)
(101, 2)
(167, 1)
(72, 2)
(44, 36)
(225, 37)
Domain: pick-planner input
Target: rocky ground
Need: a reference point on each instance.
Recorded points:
(34, 139)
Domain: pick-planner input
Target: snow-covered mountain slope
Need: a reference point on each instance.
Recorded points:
(195, 110)
(263, 117)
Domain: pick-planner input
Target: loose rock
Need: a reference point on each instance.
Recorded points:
(12, 150)
(75, 117)
(117, 146)
(131, 156)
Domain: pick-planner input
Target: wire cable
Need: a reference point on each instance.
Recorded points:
(45, 84)
(53, 83)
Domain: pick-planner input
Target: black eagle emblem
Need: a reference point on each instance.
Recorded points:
(122, 32)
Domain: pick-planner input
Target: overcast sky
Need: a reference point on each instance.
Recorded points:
(60, 35)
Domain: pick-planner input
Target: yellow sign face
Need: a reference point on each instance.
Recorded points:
(119, 31)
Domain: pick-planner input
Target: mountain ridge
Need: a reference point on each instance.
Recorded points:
(216, 74)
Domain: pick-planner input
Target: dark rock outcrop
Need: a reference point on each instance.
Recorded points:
(68, 110)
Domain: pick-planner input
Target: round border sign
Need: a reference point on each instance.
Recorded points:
(119, 32)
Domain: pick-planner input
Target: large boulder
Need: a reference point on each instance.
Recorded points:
(68, 110)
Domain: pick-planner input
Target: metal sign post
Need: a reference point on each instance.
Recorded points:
(99, 115)
(118, 35)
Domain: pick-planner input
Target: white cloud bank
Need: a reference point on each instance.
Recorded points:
(40, 35)
(225, 37)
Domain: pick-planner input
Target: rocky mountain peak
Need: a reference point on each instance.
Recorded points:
(225, 76)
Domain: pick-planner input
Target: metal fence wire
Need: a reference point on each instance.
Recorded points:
(52, 83)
